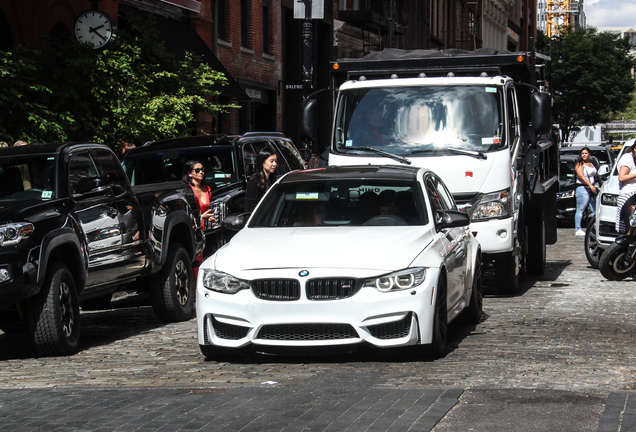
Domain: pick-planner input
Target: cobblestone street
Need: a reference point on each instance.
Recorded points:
(568, 331)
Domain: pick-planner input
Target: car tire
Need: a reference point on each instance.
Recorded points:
(54, 318)
(437, 348)
(96, 303)
(593, 251)
(507, 273)
(172, 292)
(472, 313)
(611, 265)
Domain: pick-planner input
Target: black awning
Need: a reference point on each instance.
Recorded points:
(179, 38)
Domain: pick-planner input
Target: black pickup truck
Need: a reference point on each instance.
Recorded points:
(73, 231)
(229, 163)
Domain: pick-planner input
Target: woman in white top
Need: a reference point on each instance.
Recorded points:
(627, 181)
(585, 189)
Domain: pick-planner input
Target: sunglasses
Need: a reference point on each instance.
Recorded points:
(198, 170)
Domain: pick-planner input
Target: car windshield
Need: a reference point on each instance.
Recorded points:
(167, 165)
(412, 120)
(342, 203)
(566, 172)
(603, 156)
(27, 178)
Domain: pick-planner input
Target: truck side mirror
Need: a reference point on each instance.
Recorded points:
(308, 119)
(541, 113)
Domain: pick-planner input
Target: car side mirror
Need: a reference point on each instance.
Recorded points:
(604, 170)
(308, 119)
(236, 222)
(452, 219)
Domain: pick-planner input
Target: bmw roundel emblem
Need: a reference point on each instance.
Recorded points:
(303, 273)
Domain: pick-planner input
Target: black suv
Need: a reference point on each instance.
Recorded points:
(229, 162)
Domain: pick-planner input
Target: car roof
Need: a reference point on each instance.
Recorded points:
(569, 157)
(355, 172)
(42, 148)
(201, 141)
(573, 149)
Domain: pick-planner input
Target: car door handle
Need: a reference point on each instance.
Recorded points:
(112, 212)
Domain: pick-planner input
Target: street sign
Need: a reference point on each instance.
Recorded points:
(317, 9)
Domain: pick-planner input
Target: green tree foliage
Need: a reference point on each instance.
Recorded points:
(629, 112)
(593, 81)
(24, 110)
(131, 91)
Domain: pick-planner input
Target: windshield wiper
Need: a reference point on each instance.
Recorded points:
(472, 153)
(383, 153)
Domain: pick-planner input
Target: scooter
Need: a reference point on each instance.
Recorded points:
(618, 261)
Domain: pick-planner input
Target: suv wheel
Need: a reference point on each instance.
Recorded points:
(54, 314)
(172, 292)
(592, 250)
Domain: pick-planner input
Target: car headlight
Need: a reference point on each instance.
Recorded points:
(12, 234)
(494, 205)
(401, 280)
(223, 282)
(609, 199)
(566, 194)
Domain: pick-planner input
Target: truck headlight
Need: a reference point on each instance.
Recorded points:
(608, 199)
(12, 234)
(566, 194)
(494, 205)
(401, 280)
(223, 282)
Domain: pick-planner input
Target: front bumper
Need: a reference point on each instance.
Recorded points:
(495, 235)
(392, 319)
(20, 281)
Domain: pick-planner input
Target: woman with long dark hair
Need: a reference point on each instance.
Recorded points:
(263, 177)
(194, 175)
(585, 188)
(627, 181)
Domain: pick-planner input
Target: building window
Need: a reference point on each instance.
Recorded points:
(221, 24)
(267, 48)
(245, 23)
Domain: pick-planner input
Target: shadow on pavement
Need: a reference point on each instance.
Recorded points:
(127, 316)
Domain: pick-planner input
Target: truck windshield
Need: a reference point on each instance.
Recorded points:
(421, 120)
(27, 178)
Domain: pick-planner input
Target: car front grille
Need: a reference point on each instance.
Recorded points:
(307, 332)
(227, 331)
(331, 288)
(276, 289)
(392, 330)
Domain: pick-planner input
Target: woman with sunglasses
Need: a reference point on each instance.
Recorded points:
(194, 175)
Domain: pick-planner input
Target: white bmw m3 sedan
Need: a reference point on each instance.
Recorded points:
(338, 257)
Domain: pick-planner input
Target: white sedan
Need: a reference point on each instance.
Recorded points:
(340, 256)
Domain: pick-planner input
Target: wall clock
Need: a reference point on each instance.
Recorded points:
(94, 27)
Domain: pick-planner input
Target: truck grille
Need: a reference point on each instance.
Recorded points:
(307, 332)
(227, 331)
(392, 330)
(331, 288)
(276, 289)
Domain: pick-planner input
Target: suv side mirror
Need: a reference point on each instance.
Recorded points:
(541, 104)
(308, 119)
(452, 219)
(604, 170)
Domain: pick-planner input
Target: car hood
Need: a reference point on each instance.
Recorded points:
(381, 248)
(19, 211)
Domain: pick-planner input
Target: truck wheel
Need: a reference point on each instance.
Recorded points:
(536, 257)
(54, 314)
(172, 292)
(592, 250)
(507, 273)
(437, 348)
